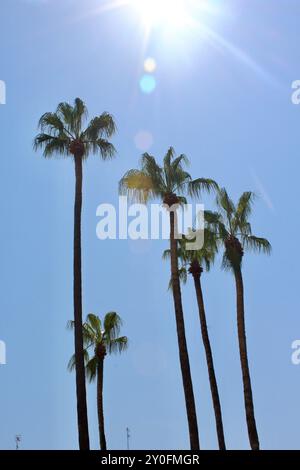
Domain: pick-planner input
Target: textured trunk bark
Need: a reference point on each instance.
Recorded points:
(80, 372)
(249, 407)
(100, 404)
(210, 364)
(183, 351)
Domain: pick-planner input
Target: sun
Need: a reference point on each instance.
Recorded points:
(171, 14)
(170, 19)
(166, 15)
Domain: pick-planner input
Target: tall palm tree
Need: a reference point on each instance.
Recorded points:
(169, 183)
(103, 340)
(194, 262)
(62, 134)
(234, 228)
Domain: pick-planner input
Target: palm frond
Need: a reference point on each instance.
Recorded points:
(173, 168)
(166, 254)
(52, 145)
(224, 202)
(118, 345)
(198, 186)
(180, 180)
(150, 168)
(257, 244)
(244, 205)
(91, 369)
(72, 116)
(112, 325)
(52, 123)
(182, 273)
(214, 222)
(167, 163)
(182, 200)
(242, 213)
(65, 112)
(80, 113)
(100, 127)
(89, 335)
(95, 323)
(226, 263)
(137, 185)
(212, 218)
(207, 261)
(72, 362)
(177, 163)
(71, 325)
(106, 148)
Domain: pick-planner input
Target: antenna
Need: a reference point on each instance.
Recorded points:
(18, 439)
(128, 435)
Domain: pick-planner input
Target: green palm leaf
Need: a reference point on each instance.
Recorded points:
(64, 127)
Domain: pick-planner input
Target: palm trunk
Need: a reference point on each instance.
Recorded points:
(183, 351)
(80, 372)
(100, 404)
(249, 407)
(210, 363)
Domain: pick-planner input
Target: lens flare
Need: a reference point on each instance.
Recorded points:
(143, 140)
(150, 65)
(147, 83)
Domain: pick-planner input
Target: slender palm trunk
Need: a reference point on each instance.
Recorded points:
(80, 372)
(100, 404)
(183, 351)
(210, 363)
(249, 407)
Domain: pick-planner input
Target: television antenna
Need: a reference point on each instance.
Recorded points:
(18, 439)
(128, 436)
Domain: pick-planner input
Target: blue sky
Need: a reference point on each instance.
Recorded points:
(225, 101)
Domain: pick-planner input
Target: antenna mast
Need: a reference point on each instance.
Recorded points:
(18, 439)
(128, 435)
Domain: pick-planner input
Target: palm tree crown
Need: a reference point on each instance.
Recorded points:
(62, 132)
(234, 229)
(191, 260)
(104, 339)
(168, 182)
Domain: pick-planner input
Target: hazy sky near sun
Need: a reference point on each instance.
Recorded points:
(221, 94)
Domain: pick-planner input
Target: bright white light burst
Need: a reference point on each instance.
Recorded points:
(171, 14)
(167, 15)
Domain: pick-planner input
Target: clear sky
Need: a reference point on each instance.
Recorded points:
(222, 97)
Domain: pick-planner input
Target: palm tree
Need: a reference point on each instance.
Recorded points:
(103, 340)
(169, 183)
(194, 261)
(62, 134)
(234, 228)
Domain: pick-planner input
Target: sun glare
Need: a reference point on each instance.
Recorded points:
(169, 19)
(167, 15)
(172, 14)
